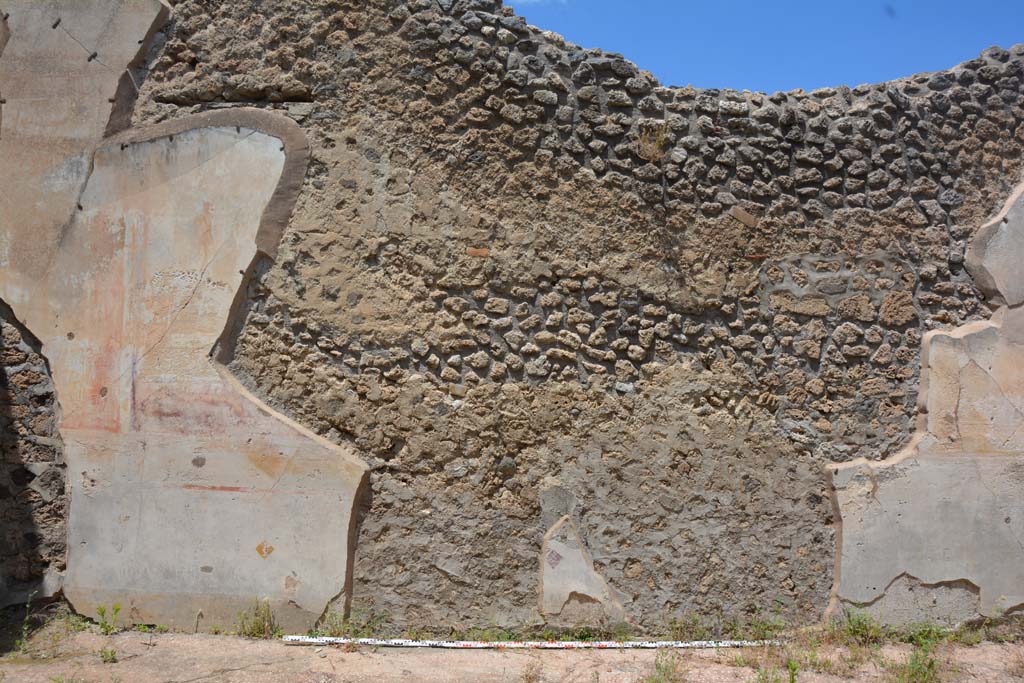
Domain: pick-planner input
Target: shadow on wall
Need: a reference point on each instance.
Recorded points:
(33, 499)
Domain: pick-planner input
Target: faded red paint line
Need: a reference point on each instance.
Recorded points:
(230, 489)
(274, 491)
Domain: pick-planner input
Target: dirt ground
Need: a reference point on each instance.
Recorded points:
(55, 656)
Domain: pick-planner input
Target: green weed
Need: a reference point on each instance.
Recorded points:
(861, 629)
(108, 655)
(920, 667)
(1003, 630)
(968, 635)
(620, 632)
(108, 624)
(923, 634)
(764, 629)
(583, 634)
(258, 621)
(491, 634)
(793, 669)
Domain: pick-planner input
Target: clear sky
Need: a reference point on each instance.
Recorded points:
(771, 45)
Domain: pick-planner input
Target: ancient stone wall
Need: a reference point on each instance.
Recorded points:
(33, 501)
(596, 339)
(496, 219)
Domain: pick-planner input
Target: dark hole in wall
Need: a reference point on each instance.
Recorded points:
(21, 477)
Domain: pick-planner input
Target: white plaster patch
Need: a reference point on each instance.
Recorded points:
(142, 397)
(567, 573)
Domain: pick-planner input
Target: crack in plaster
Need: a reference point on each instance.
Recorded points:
(925, 454)
(951, 583)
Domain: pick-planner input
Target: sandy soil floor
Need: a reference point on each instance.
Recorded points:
(68, 657)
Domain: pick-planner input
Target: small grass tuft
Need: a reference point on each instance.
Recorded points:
(859, 628)
(800, 652)
(1007, 629)
(668, 668)
(620, 632)
(531, 674)
(26, 627)
(491, 634)
(583, 634)
(690, 628)
(258, 621)
(753, 628)
(923, 634)
(793, 669)
(108, 655)
(108, 622)
(768, 676)
(970, 635)
(357, 625)
(919, 667)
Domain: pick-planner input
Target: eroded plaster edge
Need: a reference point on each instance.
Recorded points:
(979, 243)
(278, 211)
(832, 470)
(273, 223)
(964, 583)
(123, 101)
(615, 610)
(343, 452)
(975, 252)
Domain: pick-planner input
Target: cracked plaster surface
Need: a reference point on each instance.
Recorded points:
(189, 497)
(948, 508)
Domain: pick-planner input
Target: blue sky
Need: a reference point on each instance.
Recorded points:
(774, 45)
